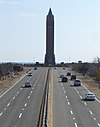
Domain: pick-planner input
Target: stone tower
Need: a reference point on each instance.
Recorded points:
(49, 56)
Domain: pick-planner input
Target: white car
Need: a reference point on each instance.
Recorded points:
(28, 84)
(90, 96)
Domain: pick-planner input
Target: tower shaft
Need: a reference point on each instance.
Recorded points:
(50, 57)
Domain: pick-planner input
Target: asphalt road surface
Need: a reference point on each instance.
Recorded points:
(20, 106)
(69, 107)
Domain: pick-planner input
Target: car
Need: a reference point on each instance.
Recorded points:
(90, 96)
(28, 84)
(30, 74)
(61, 75)
(68, 74)
(55, 67)
(73, 77)
(35, 68)
(64, 79)
(77, 82)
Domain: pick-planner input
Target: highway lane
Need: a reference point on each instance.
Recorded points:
(69, 107)
(19, 107)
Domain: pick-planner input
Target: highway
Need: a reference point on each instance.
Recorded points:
(69, 107)
(20, 106)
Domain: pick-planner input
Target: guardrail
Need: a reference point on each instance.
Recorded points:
(43, 114)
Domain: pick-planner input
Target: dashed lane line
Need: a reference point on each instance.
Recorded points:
(91, 112)
(68, 103)
(8, 104)
(76, 125)
(98, 124)
(28, 97)
(71, 112)
(1, 113)
(25, 104)
(85, 103)
(20, 115)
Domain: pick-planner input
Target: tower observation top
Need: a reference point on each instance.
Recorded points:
(50, 12)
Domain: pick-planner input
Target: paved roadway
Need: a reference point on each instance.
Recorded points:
(69, 108)
(19, 107)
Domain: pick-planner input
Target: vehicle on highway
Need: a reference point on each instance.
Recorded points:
(73, 77)
(28, 84)
(61, 75)
(55, 67)
(90, 96)
(64, 79)
(35, 68)
(77, 82)
(30, 74)
(68, 74)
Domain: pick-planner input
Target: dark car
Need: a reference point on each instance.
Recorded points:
(68, 74)
(30, 74)
(35, 68)
(77, 82)
(64, 79)
(73, 77)
(28, 84)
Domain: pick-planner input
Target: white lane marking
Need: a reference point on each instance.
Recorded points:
(4, 109)
(94, 118)
(85, 103)
(75, 124)
(64, 91)
(8, 104)
(33, 88)
(71, 112)
(1, 113)
(28, 97)
(66, 96)
(81, 97)
(20, 115)
(25, 104)
(75, 88)
(77, 92)
(91, 112)
(67, 99)
(68, 103)
(31, 92)
(12, 86)
(13, 98)
(18, 92)
(98, 124)
(20, 88)
(73, 118)
(23, 109)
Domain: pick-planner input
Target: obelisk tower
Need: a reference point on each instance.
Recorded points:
(49, 56)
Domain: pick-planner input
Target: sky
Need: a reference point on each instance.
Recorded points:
(23, 30)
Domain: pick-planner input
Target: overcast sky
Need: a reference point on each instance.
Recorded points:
(23, 30)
